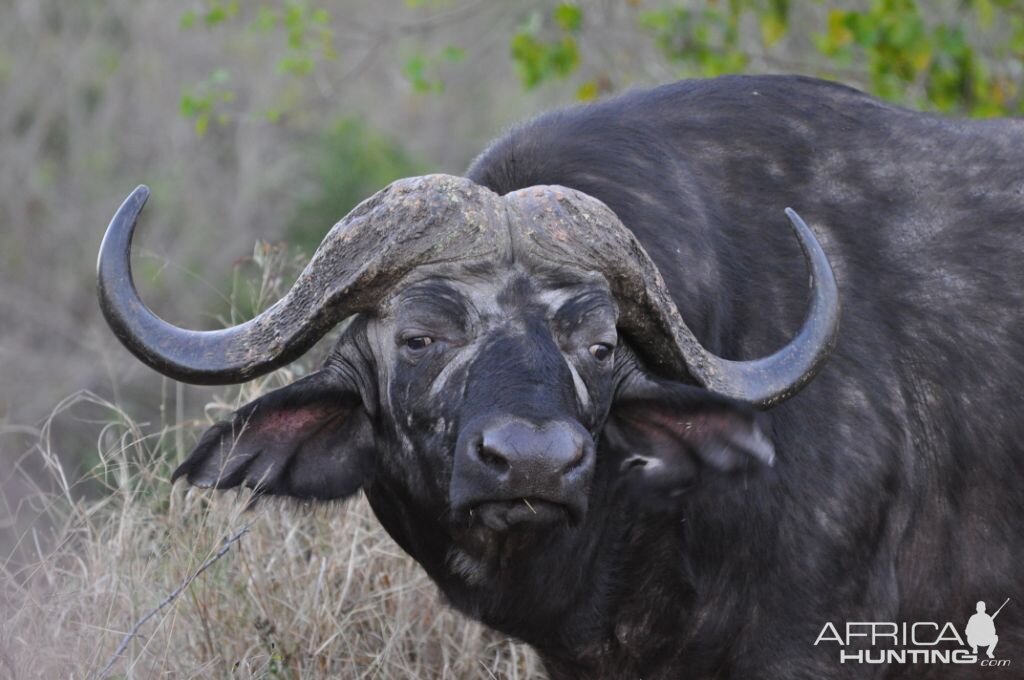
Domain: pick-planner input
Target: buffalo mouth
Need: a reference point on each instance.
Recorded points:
(522, 513)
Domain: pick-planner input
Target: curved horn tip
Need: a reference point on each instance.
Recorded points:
(771, 380)
(814, 254)
(123, 221)
(137, 198)
(795, 219)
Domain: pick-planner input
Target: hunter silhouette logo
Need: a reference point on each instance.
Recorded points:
(981, 630)
(927, 642)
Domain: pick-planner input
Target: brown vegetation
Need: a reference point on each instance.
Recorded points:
(306, 591)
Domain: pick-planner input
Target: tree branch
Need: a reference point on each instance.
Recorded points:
(104, 673)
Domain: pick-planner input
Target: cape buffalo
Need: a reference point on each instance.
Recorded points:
(561, 387)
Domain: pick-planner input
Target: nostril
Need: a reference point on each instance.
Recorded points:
(576, 459)
(491, 458)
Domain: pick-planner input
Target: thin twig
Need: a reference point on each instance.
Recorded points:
(169, 599)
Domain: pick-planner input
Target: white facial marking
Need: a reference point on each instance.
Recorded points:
(554, 299)
(581, 389)
(458, 361)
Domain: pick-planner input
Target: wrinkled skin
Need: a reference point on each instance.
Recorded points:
(710, 542)
(507, 341)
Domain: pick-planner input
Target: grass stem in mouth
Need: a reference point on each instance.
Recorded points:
(529, 506)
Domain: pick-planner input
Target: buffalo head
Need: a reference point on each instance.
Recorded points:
(509, 365)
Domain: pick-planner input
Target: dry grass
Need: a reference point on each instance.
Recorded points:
(306, 592)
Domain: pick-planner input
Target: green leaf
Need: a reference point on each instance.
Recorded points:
(837, 35)
(414, 67)
(266, 19)
(220, 12)
(568, 17)
(296, 65)
(588, 91)
(772, 29)
(528, 55)
(414, 70)
(189, 105)
(986, 12)
(453, 53)
(564, 56)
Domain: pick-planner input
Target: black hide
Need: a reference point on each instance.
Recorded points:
(898, 489)
(700, 539)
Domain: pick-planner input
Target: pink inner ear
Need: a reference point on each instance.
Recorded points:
(287, 421)
(693, 427)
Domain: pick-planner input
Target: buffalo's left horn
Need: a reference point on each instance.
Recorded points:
(417, 221)
(573, 229)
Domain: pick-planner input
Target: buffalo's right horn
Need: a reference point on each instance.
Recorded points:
(412, 222)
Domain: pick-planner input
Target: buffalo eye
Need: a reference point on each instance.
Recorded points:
(600, 351)
(419, 342)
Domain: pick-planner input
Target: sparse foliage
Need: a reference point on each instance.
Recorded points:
(270, 120)
(962, 57)
(138, 581)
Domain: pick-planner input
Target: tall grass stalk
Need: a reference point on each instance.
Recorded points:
(309, 591)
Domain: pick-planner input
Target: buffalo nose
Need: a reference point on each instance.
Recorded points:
(516, 445)
(502, 462)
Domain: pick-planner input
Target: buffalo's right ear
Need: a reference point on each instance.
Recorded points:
(311, 439)
(664, 435)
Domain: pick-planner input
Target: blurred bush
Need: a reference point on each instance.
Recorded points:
(346, 164)
(964, 56)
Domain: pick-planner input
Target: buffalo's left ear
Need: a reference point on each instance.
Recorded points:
(665, 433)
(311, 439)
